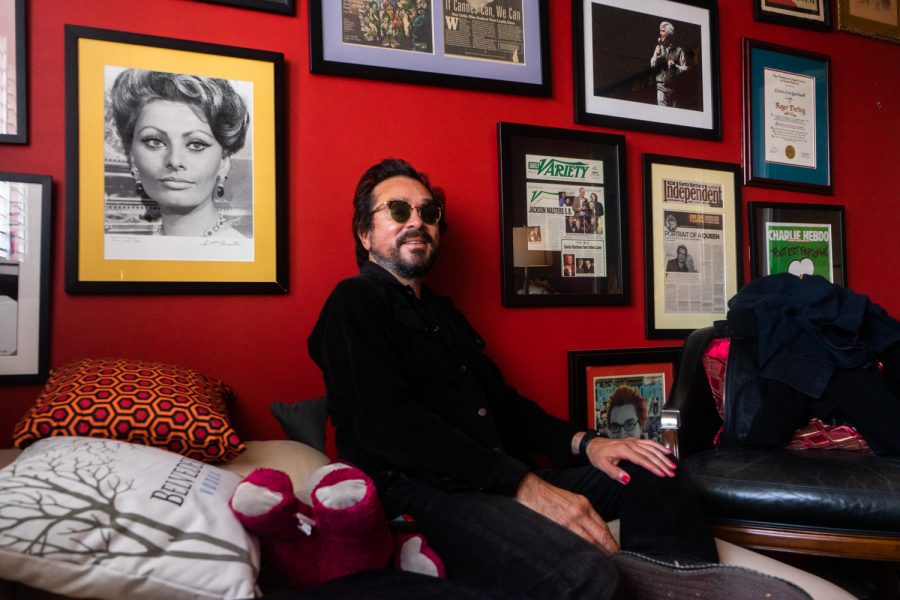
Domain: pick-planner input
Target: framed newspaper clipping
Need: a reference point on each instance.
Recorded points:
(488, 45)
(871, 18)
(787, 138)
(563, 224)
(811, 14)
(692, 242)
(651, 66)
(803, 239)
(621, 393)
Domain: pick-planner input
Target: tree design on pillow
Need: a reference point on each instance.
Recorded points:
(65, 504)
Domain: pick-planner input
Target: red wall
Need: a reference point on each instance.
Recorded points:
(336, 127)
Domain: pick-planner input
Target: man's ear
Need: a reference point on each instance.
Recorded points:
(364, 239)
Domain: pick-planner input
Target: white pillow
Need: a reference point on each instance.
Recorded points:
(88, 517)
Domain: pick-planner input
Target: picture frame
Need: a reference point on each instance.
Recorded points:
(599, 396)
(14, 116)
(563, 217)
(628, 76)
(803, 239)
(691, 205)
(154, 215)
(880, 19)
(441, 47)
(787, 131)
(810, 14)
(25, 236)
(284, 7)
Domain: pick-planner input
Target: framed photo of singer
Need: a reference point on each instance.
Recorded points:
(563, 221)
(175, 166)
(787, 133)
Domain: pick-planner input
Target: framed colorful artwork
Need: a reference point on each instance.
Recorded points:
(651, 66)
(563, 218)
(25, 232)
(802, 239)
(158, 199)
(872, 18)
(811, 14)
(787, 132)
(14, 71)
(488, 45)
(692, 243)
(621, 393)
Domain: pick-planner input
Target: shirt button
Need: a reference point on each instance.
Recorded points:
(463, 369)
(482, 412)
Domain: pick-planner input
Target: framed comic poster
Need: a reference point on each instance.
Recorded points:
(872, 18)
(651, 66)
(802, 239)
(174, 166)
(25, 231)
(488, 45)
(811, 14)
(787, 139)
(621, 393)
(13, 73)
(692, 243)
(285, 7)
(563, 221)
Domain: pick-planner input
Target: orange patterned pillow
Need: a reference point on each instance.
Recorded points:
(169, 407)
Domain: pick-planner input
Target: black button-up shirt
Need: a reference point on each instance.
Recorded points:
(410, 390)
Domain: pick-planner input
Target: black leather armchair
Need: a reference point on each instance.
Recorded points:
(818, 502)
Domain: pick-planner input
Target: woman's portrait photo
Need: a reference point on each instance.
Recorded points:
(178, 161)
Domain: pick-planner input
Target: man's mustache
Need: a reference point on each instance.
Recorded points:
(414, 234)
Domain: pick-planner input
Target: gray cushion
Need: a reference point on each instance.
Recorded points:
(303, 421)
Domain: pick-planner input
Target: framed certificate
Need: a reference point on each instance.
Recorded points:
(787, 140)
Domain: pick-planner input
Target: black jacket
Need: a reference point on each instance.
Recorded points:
(411, 391)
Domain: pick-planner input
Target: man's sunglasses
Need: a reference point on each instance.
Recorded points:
(401, 211)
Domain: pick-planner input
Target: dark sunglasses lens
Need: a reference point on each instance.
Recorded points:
(430, 213)
(400, 211)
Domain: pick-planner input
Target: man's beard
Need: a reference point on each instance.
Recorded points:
(405, 268)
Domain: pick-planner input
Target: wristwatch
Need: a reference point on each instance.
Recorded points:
(585, 440)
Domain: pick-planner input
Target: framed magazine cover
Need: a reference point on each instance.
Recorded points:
(787, 131)
(563, 217)
(25, 232)
(14, 70)
(621, 393)
(803, 239)
(651, 66)
(872, 18)
(284, 7)
(488, 45)
(692, 243)
(159, 200)
(811, 14)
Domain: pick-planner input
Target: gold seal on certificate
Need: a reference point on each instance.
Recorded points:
(790, 151)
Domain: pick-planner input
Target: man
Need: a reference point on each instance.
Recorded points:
(667, 62)
(683, 262)
(417, 404)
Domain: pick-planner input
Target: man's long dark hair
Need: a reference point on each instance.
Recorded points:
(362, 198)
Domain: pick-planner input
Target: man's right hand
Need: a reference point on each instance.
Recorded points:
(565, 508)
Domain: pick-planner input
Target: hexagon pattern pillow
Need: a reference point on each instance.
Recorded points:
(155, 404)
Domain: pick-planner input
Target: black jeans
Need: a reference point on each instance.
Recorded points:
(497, 542)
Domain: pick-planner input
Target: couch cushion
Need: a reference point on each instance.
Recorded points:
(166, 406)
(93, 518)
(814, 488)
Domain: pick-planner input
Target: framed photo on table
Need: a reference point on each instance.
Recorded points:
(159, 200)
(811, 14)
(14, 71)
(872, 18)
(621, 393)
(787, 133)
(285, 7)
(563, 219)
(803, 239)
(650, 66)
(692, 243)
(25, 232)
(488, 45)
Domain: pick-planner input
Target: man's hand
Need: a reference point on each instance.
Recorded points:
(605, 454)
(565, 508)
